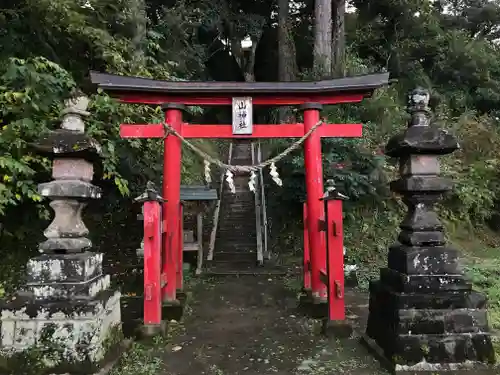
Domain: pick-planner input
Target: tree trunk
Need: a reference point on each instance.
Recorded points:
(338, 65)
(138, 27)
(287, 55)
(287, 60)
(323, 38)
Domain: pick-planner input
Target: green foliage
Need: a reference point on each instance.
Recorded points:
(31, 96)
(139, 359)
(34, 87)
(486, 278)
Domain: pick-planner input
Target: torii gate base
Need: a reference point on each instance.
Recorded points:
(323, 280)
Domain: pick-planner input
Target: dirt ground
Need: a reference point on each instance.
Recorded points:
(251, 325)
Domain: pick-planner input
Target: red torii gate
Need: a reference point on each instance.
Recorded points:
(173, 96)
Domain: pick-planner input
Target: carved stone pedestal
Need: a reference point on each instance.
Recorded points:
(424, 316)
(65, 319)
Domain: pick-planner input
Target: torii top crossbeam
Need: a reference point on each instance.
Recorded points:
(149, 91)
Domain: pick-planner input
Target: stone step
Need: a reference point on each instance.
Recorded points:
(247, 203)
(242, 197)
(228, 209)
(235, 257)
(236, 248)
(237, 232)
(250, 244)
(226, 269)
(228, 237)
(230, 206)
(241, 218)
(229, 202)
(251, 270)
(239, 221)
(239, 211)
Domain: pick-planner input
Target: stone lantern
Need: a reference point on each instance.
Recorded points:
(67, 307)
(423, 314)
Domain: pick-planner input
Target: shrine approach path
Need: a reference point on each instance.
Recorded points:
(251, 325)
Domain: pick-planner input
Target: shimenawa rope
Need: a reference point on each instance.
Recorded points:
(242, 168)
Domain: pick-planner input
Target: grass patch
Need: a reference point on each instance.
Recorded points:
(140, 359)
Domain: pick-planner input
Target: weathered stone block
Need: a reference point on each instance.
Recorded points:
(70, 268)
(466, 321)
(68, 245)
(421, 140)
(75, 109)
(419, 165)
(61, 290)
(429, 321)
(431, 238)
(69, 189)
(449, 348)
(72, 169)
(413, 260)
(401, 282)
(71, 333)
(67, 222)
(420, 322)
(383, 297)
(62, 142)
(420, 218)
(421, 184)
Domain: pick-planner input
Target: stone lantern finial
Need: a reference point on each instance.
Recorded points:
(75, 109)
(419, 98)
(418, 107)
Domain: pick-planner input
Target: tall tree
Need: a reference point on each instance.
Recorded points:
(138, 22)
(323, 38)
(287, 56)
(338, 63)
(287, 59)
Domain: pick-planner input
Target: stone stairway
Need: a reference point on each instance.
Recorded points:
(236, 241)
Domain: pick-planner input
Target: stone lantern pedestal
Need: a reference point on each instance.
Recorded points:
(424, 316)
(66, 318)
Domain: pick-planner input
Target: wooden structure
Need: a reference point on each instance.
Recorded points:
(174, 96)
(199, 197)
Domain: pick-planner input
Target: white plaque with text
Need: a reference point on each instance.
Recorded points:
(242, 116)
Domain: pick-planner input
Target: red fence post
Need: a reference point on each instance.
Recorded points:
(335, 254)
(172, 155)
(152, 260)
(180, 250)
(315, 208)
(307, 255)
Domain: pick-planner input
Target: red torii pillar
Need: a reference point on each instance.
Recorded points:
(174, 95)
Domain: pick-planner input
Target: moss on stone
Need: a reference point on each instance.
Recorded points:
(47, 357)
